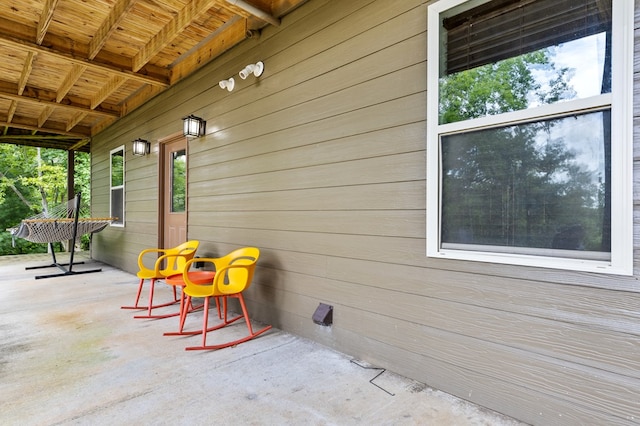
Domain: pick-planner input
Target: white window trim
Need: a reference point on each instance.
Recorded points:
(111, 188)
(621, 101)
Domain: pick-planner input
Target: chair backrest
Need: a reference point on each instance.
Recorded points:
(234, 271)
(175, 264)
(251, 253)
(240, 271)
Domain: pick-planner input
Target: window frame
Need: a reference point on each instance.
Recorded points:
(121, 222)
(620, 100)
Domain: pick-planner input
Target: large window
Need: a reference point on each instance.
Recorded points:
(530, 134)
(116, 172)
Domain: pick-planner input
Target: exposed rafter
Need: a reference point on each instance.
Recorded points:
(41, 98)
(171, 30)
(58, 130)
(69, 80)
(70, 57)
(71, 68)
(45, 19)
(116, 15)
(44, 116)
(112, 85)
(26, 71)
(12, 110)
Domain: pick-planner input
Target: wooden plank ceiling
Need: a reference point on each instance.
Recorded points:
(69, 68)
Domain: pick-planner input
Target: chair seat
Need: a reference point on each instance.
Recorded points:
(196, 277)
(147, 274)
(200, 291)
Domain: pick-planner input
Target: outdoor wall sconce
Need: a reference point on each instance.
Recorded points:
(194, 126)
(255, 69)
(227, 84)
(141, 147)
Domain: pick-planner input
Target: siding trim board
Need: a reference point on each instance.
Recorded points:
(321, 163)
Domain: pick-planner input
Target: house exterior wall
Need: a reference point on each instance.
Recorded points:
(321, 163)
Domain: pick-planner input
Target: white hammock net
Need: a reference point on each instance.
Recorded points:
(58, 224)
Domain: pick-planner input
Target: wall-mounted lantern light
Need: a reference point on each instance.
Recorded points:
(194, 126)
(141, 147)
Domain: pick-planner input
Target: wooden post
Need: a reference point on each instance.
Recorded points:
(71, 185)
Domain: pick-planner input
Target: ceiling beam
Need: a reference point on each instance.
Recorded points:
(112, 85)
(56, 128)
(16, 31)
(227, 36)
(109, 25)
(44, 115)
(80, 144)
(182, 20)
(44, 141)
(69, 80)
(22, 45)
(97, 128)
(12, 110)
(44, 98)
(43, 137)
(77, 118)
(45, 19)
(26, 71)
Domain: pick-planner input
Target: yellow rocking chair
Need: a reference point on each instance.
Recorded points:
(171, 262)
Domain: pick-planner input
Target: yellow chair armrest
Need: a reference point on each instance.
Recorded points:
(222, 288)
(158, 264)
(141, 264)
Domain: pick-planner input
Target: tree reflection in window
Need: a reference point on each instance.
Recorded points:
(178, 181)
(538, 185)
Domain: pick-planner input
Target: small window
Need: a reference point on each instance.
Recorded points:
(117, 186)
(529, 108)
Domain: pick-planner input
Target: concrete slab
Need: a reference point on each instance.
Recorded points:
(70, 355)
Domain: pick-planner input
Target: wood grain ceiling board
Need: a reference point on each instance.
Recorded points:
(12, 64)
(78, 21)
(46, 72)
(72, 67)
(25, 11)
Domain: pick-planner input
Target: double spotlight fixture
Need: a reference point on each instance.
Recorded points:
(255, 69)
(194, 127)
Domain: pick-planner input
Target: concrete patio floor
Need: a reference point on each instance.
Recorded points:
(70, 355)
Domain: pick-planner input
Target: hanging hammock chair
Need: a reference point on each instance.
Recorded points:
(61, 223)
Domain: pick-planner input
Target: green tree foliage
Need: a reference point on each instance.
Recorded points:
(31, 180)
(50, 177)
(12, 207)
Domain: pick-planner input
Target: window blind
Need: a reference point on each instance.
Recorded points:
(504, 29)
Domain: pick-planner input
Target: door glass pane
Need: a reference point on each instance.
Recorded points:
(178, 181)
(117, 168)
(543, 185)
